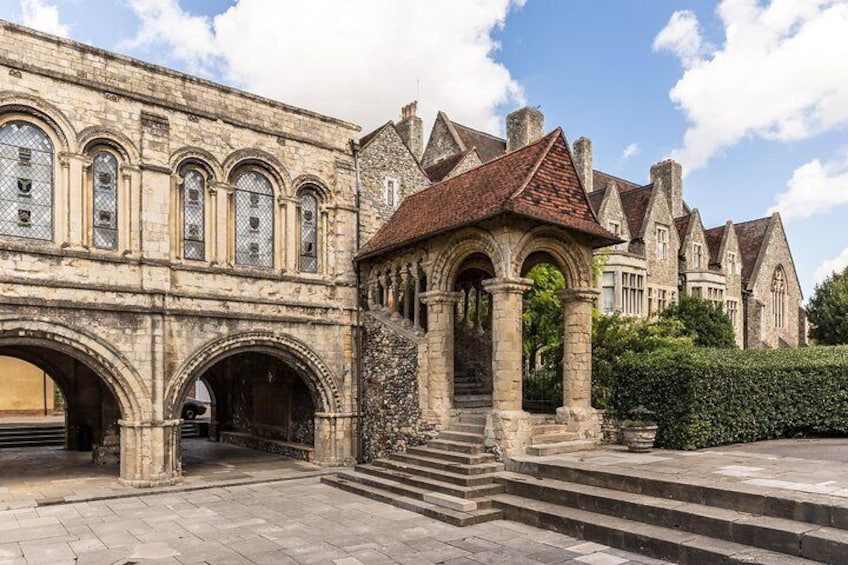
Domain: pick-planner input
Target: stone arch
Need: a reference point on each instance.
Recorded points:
(300, 356)
(573, 260)
(200, 157)
(457, 249)
(57, 122)
(314, 183)
(261, 159)
(120, 143)
(109, 364)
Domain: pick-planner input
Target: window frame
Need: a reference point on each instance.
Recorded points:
(303, 194)
(186, 170)
(96, 228)
(269, 198)
(662, 241)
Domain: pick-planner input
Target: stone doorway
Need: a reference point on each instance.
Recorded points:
(472, 335)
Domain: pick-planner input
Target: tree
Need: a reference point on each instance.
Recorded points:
(706, 322)
(543, 322)
(827, 310)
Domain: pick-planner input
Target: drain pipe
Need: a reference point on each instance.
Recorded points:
(357, 332)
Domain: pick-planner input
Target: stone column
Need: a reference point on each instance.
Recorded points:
(440, 319)
(150, 453)
(406, 277)
(577, 411)
(396, 278)
(334, 439)
(416, 300)
(508, 427)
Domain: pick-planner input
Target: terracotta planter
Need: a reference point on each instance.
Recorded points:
(639, 439)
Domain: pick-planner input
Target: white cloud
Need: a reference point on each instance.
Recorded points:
(681, 36)
(779, 75)
(352, 59)
(43, 16)
(815, 188)
(630, 151)
(835, 265)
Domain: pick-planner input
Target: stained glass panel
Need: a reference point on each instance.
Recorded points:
(308, 233)
(193, 215)
(26, 182)
(105, 218)
(254, 220)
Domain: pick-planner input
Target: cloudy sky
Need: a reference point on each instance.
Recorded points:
(751, 96)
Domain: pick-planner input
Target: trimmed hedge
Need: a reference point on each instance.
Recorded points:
(708, 397)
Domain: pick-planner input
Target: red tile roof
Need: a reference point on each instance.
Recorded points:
(488, 146)
(635, 203)
(682, 225)
(596, 199)
(750, 236)
(714, 238)
(537, 181)
(439, 170)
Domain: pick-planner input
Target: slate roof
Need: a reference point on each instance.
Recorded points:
(682, 225)
(751, 236)
(596, 199)
(439, 170)
(600, 180)
(536, 181)
(714, 238)
(488, 146)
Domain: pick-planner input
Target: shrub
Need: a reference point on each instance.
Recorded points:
(706, 322)
(708, 397)
(827, 308)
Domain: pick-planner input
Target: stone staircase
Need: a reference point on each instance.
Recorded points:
(550, 438)
(469, 392)
(452, 478)
(32, 435)
(666, 518)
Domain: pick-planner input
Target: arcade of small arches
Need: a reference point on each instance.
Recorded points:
(38, 176)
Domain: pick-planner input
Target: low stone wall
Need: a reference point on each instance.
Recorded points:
(610, 428)
(293, 450)
(391, 416)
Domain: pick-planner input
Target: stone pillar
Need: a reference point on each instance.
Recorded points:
(334, 439)
(396, 284)
(508, 427)
(577, 411)
(416, 301)
(406, 276)
(440, 319)
(150, 453)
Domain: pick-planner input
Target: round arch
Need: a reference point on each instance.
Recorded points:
(460, 247)
(107, 363)
(197, 156)
(311, 182)
(262, 160)
(573, 260)
(30, 106)
(294, 352)
(94, 136)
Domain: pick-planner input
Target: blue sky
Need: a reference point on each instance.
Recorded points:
(751, 96)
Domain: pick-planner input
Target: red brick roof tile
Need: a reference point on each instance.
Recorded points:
(635, 203)
(488, 146)
(750, 236)
(537, 181)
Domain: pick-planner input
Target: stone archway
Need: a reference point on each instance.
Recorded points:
(333, 433)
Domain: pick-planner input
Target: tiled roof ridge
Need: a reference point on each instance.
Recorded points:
(633, 185)
(481, 132)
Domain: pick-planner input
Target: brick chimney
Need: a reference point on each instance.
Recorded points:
(582, 152)
(523, 127)
(671, 174)
(411, 129)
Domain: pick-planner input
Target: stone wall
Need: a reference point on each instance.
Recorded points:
(441, 143)
(391, 415)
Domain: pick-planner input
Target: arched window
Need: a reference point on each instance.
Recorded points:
(26, 181)
(308, 232)
(778, 297)
(104, 172)
(254, 220)
(192, 199)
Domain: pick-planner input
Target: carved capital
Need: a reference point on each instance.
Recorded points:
(440, 297)
(578, 295)
(507, 286)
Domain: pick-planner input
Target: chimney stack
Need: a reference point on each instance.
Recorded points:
(411, 129)
(670, 172)
(523, 127)
(583, 162)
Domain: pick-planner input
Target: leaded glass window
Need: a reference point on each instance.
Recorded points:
(254, 220)
(26, 182)
(308, 233)
(194, 245)
(104, 172)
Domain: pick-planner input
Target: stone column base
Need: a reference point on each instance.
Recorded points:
(335, 440)
(508, 433)
(149, 453)
(585, 421)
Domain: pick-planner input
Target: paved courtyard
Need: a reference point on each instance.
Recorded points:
(297, 521)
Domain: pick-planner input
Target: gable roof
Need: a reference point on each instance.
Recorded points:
(596, 199)
(536, 181)
(635, 204)
(682, 225)
(369, 137)
(439, 170)
(715, 239)
(751, 236)
(601, 180)
(488, 146)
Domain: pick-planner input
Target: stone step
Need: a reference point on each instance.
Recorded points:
(475, 401)
(461, 479)
(441, 464)
(803, 507)
(472, 416)
(547, 428)
(454, 517)
(561, 447)
(428, 484)
(452, 456)
(39, 442)
(462, 437)
(456, 446)
(478, 429)
(774, 534)
(553, 437)
(685, 548)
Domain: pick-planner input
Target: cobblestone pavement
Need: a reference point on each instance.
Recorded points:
(297, 521)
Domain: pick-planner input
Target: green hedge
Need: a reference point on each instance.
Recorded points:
(708, 397)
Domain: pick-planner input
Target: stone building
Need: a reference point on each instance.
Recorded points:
(339, 299)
